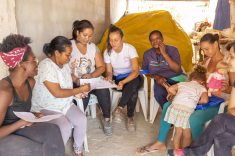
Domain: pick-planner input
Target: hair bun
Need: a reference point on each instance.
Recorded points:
(47, 49)
(216, 36)
(75, 23)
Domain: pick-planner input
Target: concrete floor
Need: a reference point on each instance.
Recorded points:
(122, 142)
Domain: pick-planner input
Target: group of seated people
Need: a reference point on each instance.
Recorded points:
(49, 87)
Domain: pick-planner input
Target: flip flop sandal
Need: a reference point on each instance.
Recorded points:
(144, 150)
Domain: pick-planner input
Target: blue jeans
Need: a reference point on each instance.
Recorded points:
(220, 133)
(39, 139)
(160, 92)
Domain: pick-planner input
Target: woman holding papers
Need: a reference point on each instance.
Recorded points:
(19, 137)
(87, 63)
(53, 92)
(122, 58)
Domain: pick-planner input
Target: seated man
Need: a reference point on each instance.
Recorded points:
(163, 61)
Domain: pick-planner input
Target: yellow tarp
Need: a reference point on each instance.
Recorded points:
(136, 28)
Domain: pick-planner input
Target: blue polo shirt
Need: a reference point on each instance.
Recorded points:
(157, 65)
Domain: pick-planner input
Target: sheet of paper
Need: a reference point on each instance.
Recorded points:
(92, 80)
(30, 117)
(98, 83)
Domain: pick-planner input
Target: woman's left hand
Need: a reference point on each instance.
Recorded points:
(86, 76)
(120, 85)
(225, 87)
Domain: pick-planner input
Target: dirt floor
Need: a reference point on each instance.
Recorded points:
(122, 142)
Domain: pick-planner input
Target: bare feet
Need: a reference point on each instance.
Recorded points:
(153, 147)
(80, 154)
(158, 145)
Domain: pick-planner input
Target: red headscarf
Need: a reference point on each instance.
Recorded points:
(14, 57)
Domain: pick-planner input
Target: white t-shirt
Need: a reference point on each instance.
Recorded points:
(84, 64)
(189, 93)
(42, 98)
(121, 62)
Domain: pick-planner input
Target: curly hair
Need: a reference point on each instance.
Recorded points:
(15, 41)
(199, 73)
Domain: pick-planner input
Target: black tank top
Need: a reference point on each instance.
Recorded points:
(17, 104)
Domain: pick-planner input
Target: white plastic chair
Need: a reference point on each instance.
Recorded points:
(142, 97)
(154, 105)
(92, 104)
(91, 109)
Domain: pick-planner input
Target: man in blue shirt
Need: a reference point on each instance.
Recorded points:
(162, 61)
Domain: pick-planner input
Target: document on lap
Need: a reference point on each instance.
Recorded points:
(30, 117)
(98, 83)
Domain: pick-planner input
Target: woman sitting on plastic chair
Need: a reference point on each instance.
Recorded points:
(122, 58)
(53, 92)
(87, 62)
(220, 132)
(209, 44)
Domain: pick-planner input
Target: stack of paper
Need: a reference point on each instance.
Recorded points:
(98, 83)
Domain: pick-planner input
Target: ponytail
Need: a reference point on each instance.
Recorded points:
(113, 28)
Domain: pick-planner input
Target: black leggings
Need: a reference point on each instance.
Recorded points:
(39, 139)
(103, 96)
(130, 95)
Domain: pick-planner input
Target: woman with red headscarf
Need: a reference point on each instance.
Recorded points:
(19, 137)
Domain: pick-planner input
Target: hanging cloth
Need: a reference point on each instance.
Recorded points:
(222, 15)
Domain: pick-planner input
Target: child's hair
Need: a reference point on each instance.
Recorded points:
(113, 28)
(199, 73)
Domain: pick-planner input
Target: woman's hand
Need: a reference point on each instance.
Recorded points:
(85, 88)
(38, 114)
(169, 96)
(160, 80)
(87, 76)
(81, 95)
(120, 85)
(24, 123)
(226, 88)
(108, 78)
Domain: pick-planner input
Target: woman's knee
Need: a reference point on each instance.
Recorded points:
(195, 122)
(102, 92)
(81, 120)
(56, 143)
(53, 131)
